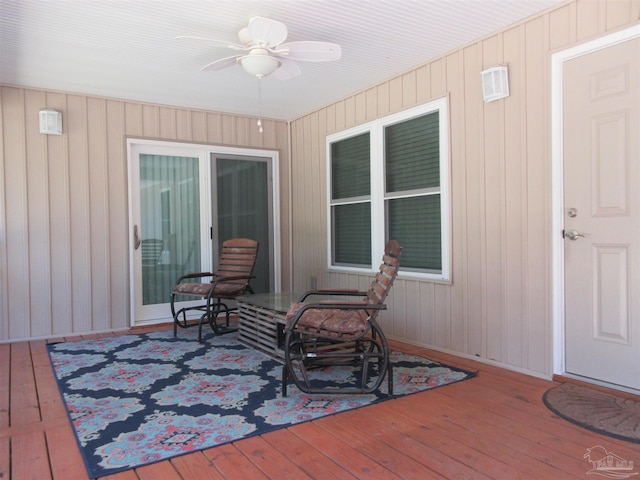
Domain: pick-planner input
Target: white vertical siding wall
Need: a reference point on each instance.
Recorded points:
(498, 307)
(64, 236)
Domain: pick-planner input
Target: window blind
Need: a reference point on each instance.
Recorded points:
(352, 237)
(412, 164)
(350, 168)
(415, 223)
(412, 154)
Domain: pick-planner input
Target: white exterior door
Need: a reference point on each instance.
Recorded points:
(601, 214)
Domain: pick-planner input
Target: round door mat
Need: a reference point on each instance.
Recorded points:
(600, 412)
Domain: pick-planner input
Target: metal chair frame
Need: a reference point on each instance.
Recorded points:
(310, 345)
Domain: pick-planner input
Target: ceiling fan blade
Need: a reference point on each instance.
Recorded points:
(288, 69)
(221, 64)
(267, 32)
(310, 51)
(212, 41)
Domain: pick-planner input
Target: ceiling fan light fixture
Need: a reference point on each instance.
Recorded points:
(259, 63)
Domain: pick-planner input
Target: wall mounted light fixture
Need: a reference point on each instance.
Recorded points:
(50, 122)
(495, 83)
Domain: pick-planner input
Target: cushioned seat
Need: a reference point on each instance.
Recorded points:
(330, 321)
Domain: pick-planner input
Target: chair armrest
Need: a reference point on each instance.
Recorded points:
(347, 292)
(341, 303)
(344, 306)
(194, 275)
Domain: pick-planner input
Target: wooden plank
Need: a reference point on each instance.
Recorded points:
(463, 455)
(49, 398)
(454, 417)
(5, 457)
(567, 448)
(272, 463)
(528, 466)
(5, 369)
(232, 463)
(196, 465)
(64, 454)
(532, 450)
(545, 423)
(23, 388)
(351, 459)
(158, 471)
(21, 364)
(126, 475)
(313, 462)
(29, 458)
(448, 457)
(347, 428)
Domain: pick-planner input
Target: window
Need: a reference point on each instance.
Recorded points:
(389, 179)
(351, 201)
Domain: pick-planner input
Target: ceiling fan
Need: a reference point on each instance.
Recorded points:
(263, 52)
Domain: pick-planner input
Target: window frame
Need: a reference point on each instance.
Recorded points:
(378, 194)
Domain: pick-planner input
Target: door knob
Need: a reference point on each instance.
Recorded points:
(572, 234)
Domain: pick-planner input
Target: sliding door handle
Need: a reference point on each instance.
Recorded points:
(136, 238)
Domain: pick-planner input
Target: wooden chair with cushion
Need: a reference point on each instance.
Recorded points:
(230, 280)
(334, 332)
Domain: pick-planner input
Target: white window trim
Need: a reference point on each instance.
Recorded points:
(376, 129)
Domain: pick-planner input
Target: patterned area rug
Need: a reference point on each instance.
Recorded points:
(139, 399)
(597, 411)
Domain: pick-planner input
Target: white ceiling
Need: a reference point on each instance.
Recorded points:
(127, 49)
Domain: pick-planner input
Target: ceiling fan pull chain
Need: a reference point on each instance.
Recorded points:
(259, 104)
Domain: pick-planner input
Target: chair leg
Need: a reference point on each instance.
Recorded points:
(215, 311)
(173, 314)
(202, 317)
(285, 374)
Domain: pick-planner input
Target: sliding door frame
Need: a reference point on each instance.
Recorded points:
(206, 153)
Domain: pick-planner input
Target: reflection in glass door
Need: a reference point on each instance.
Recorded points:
(242, 208)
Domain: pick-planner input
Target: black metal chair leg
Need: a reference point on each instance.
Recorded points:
(285, 374)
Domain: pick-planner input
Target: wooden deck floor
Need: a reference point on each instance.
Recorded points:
(493, 426)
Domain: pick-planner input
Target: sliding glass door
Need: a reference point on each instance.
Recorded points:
(242, 208)
(184, 202)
